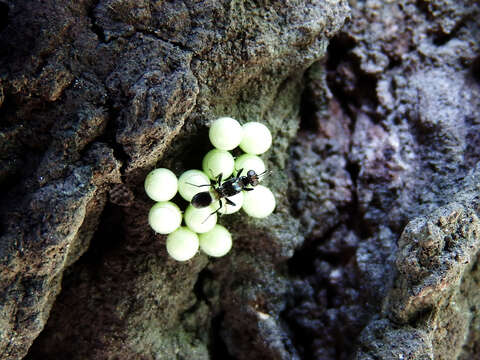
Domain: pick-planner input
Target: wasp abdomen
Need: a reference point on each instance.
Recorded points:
(202, 199)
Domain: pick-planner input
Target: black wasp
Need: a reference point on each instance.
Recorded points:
(230, 187)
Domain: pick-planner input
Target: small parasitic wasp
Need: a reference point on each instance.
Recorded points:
(230, 187)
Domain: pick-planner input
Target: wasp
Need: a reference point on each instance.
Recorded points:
(230, 187)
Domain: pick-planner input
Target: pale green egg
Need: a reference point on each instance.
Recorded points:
(258, 203)
(192, 182)
(225, 133)
(249, 162)
(217, 242)
(256, 138)
(182, 244)
(161, 184)
(200, 220)
(218, 162)
(164, 217)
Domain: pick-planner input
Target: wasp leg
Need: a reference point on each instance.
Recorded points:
(248, 189)
(219, 179)
(239, 173)
(216, 211)
(228, 202)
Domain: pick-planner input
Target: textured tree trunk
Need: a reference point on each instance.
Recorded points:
(372, 251)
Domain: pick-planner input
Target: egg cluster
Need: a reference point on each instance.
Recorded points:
(201, 228)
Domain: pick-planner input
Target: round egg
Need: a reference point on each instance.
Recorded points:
(258, 203)
(164, 217)
(225, 133)
(161, 184)
(182, 244)
(256, 138)
(217, 242)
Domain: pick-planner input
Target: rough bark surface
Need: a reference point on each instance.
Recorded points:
(389, 266)
(372, 252)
